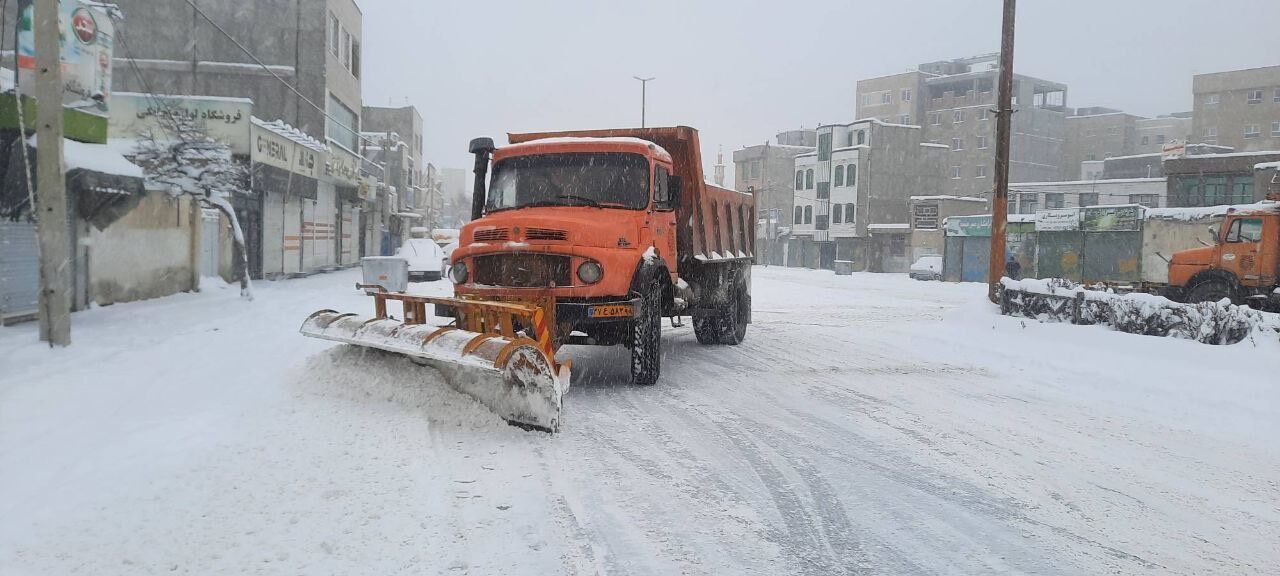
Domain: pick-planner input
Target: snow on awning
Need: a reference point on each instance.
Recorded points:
(409, 215)
(98, 158)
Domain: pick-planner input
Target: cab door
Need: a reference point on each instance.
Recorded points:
(663, 218)
(1242, 252)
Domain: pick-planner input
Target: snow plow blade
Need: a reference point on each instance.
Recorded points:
(510, 373)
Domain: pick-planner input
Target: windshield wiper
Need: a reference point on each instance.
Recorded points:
(589, 201)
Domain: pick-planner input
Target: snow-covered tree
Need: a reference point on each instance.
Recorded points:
(177, 154)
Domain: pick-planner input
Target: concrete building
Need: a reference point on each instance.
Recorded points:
(1154, 133)
(1217, 179)
(393, 138)
(1240, 109)
(766, 171)
(1093, 134)
(858, 180)
(1028, 197)
(951, 100)
(928, 213)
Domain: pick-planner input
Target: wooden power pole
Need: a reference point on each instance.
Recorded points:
(1004, 127)
(52, 226)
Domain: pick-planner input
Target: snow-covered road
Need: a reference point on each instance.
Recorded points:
(869, 425)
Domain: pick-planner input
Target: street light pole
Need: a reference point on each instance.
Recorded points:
(1004, 125)
(644, 84)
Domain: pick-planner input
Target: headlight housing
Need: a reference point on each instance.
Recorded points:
(590, 272)
(458, 272)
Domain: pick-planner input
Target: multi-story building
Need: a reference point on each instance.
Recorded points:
(397, 135)
(952, 101)
(861, 176)
(1154, 133)
(1217, 179)
(765, 170)
(1028, 197)
(1093, 134)
(1240, 109)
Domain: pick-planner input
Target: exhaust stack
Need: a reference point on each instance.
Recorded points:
(482, 148)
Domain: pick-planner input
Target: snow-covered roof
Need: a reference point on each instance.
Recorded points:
(590, 140)
(1208, 211)
(847, 148)
(1084, 182)
(95, 157)
(230, 99)
(935, 145)
(1237, 154)
(1147, 155)
(1020, 218)
(284, 130)
(410, 215)
(1116, 113)
(902, 226)
(1267, 166)
(948, 197)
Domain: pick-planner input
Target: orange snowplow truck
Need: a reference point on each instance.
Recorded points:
(609, 231)
(1242, 265)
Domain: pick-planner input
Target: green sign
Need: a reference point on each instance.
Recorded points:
(977, 225)
(1111, 218)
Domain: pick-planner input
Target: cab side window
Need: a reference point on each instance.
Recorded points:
(661, 188)
(1245, 230)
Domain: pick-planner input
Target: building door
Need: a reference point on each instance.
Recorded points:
(209, 245)
(19, 270)
(309, 234)
(292, 245)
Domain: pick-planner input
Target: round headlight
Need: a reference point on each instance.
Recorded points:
(458, 272)
(590, 272)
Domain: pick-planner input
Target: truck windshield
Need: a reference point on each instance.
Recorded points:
(601, 179)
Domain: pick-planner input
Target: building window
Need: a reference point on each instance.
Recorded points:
(935, 119)
(343, 125)
(904, 119)
(862, 137)
(1089, 199)
(851, 177)
(755, 170)
(957, 116)
(886, 98)
(1030, 202)
(1275, 129)
(1055, 200)
(1215, 191)
(1252, 131)
(820, 222)
(1148, 200)
(1255, 96)
(355, 58)
(1211, 135)
(898, 245)
(838, 178)
(808, 179)
(984, 114)
(1242, 190)
(848, 212)
(957, 144)
(824, 190)
(980, 171)
(1212, 99)
(1159, 138)
(925, 217)
(1276, 96)
(799, 215)
(346, 49)
(808, 214)
(335, 30)
(906, 94)
(955, 172)
(982, 142)
(799, 179)
(1146, 140)
(835, 215)
(824, 147)
(866, 99)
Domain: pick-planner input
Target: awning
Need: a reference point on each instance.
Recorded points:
(101, 182)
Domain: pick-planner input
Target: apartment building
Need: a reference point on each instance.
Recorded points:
(1028, 197)
(1096, 133)
(765, 170)
(952, 101)
(1154, 133)
(1239, 108)
(861, 177)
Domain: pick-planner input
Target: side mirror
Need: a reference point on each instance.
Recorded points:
(1213, 233)
(674, 186)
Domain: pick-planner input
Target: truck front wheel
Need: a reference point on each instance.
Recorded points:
(646, 344)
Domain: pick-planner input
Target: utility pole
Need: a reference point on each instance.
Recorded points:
(1004, 126)
(644, 84)
(51, 201)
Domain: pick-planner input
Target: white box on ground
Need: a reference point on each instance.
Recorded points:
(389, 272)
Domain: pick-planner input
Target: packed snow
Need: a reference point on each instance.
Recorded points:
(868, 424)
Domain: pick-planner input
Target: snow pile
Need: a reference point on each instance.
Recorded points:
(1058, 300)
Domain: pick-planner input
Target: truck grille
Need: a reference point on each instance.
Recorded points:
(491, 234)
(545, 234)
(523, 270)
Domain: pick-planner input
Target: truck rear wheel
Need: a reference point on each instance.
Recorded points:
(646, 344)
(1212, 290)
(729, 326)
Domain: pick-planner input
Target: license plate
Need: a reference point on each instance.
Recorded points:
(610, 311)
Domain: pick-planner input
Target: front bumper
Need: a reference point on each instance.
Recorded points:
(579, 313)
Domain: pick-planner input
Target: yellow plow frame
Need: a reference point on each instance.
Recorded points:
(500, 353)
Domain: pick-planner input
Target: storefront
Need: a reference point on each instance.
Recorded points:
(286, 168)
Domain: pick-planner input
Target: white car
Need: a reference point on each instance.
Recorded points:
(927, 268)
(424, 257)
(447, 252)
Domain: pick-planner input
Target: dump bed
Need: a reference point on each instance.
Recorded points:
(714, 224)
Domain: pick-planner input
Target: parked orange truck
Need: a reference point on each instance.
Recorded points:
(1243, 264)
(582, 237)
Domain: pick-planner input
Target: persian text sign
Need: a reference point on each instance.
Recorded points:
(86, 38)
(1111, 218)
(342, 167)
(223, 119)
(979, 225)
(1058, 220)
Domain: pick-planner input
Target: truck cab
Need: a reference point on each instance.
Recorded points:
(1243, 263)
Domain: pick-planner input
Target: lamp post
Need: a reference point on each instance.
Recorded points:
(644, 84)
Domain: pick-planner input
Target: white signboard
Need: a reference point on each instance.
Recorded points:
(223, 119)
(1058, 220)
(342, 167)
(274, 149)
(86, 41)
(1174, 149)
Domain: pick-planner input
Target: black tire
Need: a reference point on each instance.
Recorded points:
(729, 326)
(646, 343)
(707, 329)
(1211, 290)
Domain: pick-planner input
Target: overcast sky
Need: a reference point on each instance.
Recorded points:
(742, 70)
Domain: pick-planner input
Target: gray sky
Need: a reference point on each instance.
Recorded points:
(741, 71)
